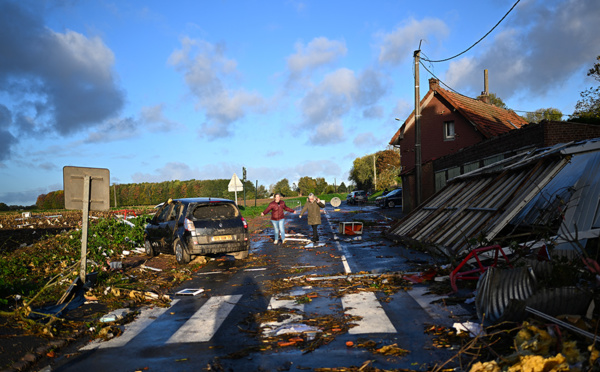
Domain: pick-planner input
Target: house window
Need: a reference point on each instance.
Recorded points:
(448, 131)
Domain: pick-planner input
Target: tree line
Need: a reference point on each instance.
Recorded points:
(151, 193)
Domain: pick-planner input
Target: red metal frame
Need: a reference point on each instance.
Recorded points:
(466, 275)
(124, 212)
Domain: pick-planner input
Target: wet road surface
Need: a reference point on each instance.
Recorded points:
(219, 327)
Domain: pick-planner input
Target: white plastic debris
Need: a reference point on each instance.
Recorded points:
(473, 329)
(294, 328)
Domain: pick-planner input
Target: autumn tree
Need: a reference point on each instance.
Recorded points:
(306, 185)
(588, 107)
(550, 113)
(361, 172)
(282, 187)
(388, 169)
(262, 192)
(321, 186)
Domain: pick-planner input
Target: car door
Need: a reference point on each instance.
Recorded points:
(153, 234)
(161, 226)
(171, 225)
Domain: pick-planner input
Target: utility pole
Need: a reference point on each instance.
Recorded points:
(375, 171)
(417, 56)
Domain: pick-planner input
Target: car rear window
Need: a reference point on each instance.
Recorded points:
(214, 211)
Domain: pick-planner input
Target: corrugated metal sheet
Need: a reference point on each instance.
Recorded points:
(501, 294)
(560, 301)
(483, 202)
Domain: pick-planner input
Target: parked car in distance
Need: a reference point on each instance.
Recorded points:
(356, 197)
(189, 227)
(390, 200)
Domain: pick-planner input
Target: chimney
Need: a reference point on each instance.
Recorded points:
(485, 95)
(434, 84)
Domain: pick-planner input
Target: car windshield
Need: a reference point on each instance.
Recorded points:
(213, 211)
(394, 192)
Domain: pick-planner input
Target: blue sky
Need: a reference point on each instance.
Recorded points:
(157, 90)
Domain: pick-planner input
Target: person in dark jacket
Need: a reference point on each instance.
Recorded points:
(277, 208)
(313, 206)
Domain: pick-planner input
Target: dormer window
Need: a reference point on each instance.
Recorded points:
(449, 131)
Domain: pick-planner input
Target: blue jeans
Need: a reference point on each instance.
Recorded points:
(279, 228)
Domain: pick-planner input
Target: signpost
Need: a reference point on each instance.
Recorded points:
(244, 178)
(235, 185)
(86, 189)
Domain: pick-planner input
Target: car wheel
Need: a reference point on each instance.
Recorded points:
(181, 255)
(241, 255)
(150, 251)
(391, 204)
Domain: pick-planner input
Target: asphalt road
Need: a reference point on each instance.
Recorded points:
(218, 327)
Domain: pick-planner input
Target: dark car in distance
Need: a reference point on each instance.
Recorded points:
(390, 200)
(197, 226)
(356, 197)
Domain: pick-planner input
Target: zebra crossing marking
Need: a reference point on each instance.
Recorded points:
(205, 322)
(374, 318)
(147, 317)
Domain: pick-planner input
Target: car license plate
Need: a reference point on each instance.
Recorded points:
(221, 238)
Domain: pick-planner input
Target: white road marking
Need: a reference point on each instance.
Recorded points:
(275, 303)
(147, 316)
(339, 248)
(374, 318)
(205, 322)
(417, 294)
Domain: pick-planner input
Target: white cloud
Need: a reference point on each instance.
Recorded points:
(59, 82)
(114, 130)
(155, 119)
(399, 45)
(319, 52)
(337, 95)
(544, 43)
(327, 133)
(366, 140)
(206, 70)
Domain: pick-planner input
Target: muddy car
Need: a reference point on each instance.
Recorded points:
(197, 226)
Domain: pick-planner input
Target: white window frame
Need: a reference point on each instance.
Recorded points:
(449, 131)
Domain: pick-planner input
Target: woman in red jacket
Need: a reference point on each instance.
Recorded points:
(277, 208)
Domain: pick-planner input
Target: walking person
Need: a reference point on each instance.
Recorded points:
(277, 208)
(313, 205)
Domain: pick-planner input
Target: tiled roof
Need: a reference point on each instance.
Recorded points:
(490, 120)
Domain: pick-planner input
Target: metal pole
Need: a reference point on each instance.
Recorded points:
(255, 193)
(375, 171)
(417, 56)
(84, 227)
(115, 189)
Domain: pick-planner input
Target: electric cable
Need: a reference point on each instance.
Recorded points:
(478, 41)
(460, 94)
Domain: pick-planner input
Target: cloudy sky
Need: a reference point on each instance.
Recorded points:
(157, 90)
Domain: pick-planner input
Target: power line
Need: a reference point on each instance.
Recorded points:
(478, 41)
(460, 94)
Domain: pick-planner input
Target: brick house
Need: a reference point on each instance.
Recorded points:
(529, 137)
(449, 123)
